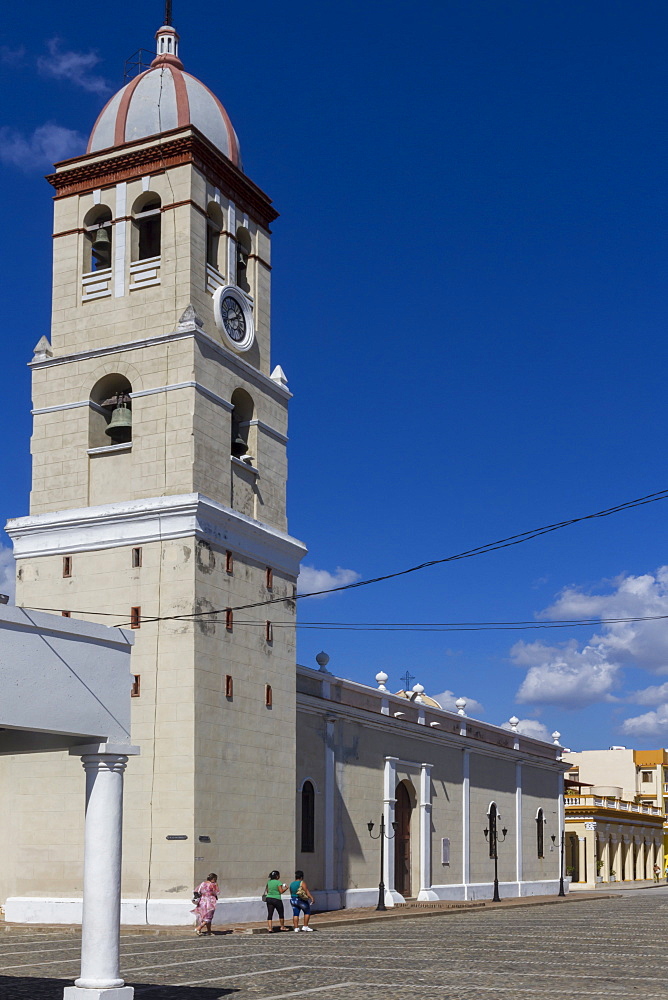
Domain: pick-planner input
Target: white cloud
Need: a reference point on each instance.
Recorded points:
(574, 674)
(564, 675)
(656, 694)
(7, 573)
(530, 727)
(447, 699)
(649, 725)
(73, 66)
(47, 145)
(312, 580)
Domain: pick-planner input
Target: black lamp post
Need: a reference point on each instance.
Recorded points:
(492, 837)
(382, 836)
(561, 867)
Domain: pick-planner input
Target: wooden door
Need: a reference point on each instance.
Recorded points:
(402, 842)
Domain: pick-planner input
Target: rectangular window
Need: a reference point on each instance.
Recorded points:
(135, 617)
(229, 562)
(268, 696)
(229, 619)
(646, 775)
(136, 558)
(268, 632)
(445, 850)
(136, 686)
(67, 566)
(66, 614)
(229, 686)
(269, 578)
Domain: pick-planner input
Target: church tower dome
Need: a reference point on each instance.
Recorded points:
(162, 98)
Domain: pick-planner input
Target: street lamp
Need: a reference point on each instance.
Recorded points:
(561, 866)
(492, 837)
(382, 836)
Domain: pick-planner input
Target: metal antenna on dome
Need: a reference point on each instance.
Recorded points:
(168, 12)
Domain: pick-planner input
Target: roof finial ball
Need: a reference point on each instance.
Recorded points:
(460, 705)
(381, 680)
(513, 722)
(322, 659)
(555, 738)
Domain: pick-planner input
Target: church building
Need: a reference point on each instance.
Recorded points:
(159, 503)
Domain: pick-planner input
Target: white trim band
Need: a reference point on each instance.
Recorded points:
(155, 519)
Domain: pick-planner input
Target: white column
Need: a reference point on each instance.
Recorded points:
(425, 828)
(232, 245)
(330, 783)
(389, 803)
(466, 805)
(582, 859)
(120, 234)
(518, 825)
(100, 925)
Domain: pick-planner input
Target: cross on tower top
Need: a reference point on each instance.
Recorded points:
(168, 12)
(407, 678)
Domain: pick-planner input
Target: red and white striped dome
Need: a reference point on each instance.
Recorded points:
(162, 98)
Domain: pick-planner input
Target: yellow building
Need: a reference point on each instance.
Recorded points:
(615, 809)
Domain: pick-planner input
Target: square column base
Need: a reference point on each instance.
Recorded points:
(115, 993)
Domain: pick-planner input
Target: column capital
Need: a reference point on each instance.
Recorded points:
(104, 762)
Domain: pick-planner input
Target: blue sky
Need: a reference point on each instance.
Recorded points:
(469, 303)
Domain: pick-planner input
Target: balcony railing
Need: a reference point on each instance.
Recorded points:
(606, 802)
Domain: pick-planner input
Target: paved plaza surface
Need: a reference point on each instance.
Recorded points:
(614, 948)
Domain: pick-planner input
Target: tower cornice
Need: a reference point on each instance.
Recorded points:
(140, 157)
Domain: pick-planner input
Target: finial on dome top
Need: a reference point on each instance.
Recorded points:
(167, 41)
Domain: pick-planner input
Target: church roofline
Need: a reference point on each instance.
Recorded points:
(185, 144)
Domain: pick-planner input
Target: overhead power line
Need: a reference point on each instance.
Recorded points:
(502, 543)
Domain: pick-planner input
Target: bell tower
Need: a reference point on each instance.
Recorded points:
(159, 493)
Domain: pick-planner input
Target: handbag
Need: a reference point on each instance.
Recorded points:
(196, 897)
(264, 894)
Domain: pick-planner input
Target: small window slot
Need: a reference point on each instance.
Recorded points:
(135, 690)
(67, 566)
(136, 558)
(135, 617)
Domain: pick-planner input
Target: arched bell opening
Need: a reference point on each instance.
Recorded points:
(98, 239)
(146, 227)
(244, 249)
(110, 412)
(241, 445)
(214, 243)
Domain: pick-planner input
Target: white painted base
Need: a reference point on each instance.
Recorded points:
(250, 909)
(115, 993)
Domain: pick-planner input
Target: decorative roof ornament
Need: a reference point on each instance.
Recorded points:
(418, 691)
(168, 12)
(555, 738)
(381, 680)
(190, 320)
(513, 722)
(460, 705)
(322, 659)
(43, 350)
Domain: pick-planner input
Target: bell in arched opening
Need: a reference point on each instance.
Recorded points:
(119, 427)
(101, 249)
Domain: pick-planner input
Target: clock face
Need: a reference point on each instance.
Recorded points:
(234, 317)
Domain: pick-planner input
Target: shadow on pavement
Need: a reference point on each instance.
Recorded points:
(32, 988)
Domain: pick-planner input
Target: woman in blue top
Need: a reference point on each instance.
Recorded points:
(301, 900)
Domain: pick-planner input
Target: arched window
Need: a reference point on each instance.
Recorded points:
(146, 223)
(540, 827)
(244, 248)
(308, 818)
(214, 227)
(242, 414)
(492, 815)
(110, 412)
(98, 239)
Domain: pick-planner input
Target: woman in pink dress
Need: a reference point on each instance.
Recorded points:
(206, 904)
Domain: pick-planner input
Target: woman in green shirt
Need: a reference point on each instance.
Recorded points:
(272, 897)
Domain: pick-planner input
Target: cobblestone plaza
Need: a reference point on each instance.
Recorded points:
(613, 947)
